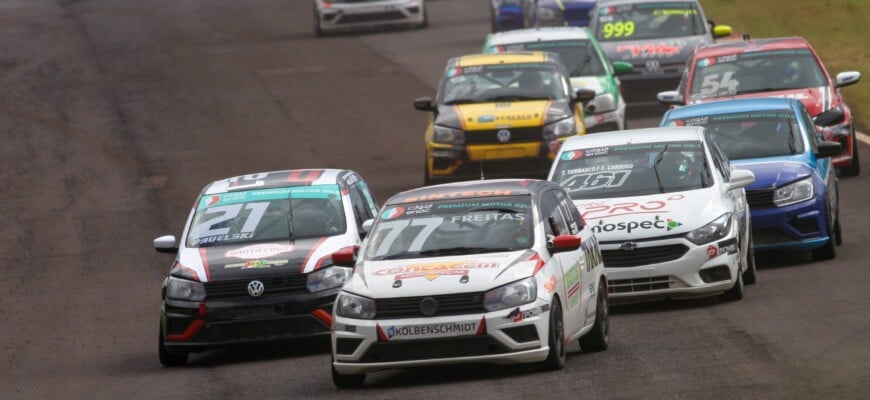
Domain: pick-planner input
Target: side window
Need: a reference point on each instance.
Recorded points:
(553, 214)
(361, 210)
(814, 135)
(719, 160)
(571, 213)
(370, 199)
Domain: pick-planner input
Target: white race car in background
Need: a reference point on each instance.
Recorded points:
(500, 271)
(668, 209)
(346, 15)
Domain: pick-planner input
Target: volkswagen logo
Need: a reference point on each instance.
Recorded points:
(628, 246)
(504, 136)
(255, 288)
(428, 306)
(653, 66)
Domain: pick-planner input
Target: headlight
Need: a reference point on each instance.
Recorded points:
(183, 289)
(511, 295)
(565, 127)
(353, 306)
(794, 192)
(328, 278)
(601, 104)
(547, 13)
(443, 134)
(715, 230)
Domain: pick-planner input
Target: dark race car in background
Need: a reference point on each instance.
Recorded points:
(657, 37)
(558, 12)
(506, 15)
(776, 67)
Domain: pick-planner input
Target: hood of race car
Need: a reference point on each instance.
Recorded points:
(440, 275)
(625, 218)
(486, 116)
(638, 52)
(816, 100)
(772, 174)
(230, 262)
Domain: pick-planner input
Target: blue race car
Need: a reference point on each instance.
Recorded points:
(794, 201)
(558, 12)
(506, 15)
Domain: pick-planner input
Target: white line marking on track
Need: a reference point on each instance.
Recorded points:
(862, 137)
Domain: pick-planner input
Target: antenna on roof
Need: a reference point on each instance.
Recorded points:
(746, 37)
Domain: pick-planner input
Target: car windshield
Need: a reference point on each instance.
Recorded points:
(452, 227)
(649, 21)
(286, 213)
(752, 134)
(579, 56)
(633, 170)
(503, 82)
(756, 72)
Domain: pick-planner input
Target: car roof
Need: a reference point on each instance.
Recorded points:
(470, 189)
(539, 34)
(732, 106)
(618, 2)
(739, 46)
(635, 136)
(275, 179)
(521, 57)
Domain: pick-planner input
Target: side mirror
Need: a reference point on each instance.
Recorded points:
(720, 31)
(622, 68)
(740, 178)
(424, 104)
(564, 243)
(828, 149)
(166, 244)
(367, 225)
(848, 78)
(833, 116)
(583, 95)
(671, 98)
(345, 257)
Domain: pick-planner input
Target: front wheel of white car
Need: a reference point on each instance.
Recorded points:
(599, 337)
(749, 277)
(736, 291)
(556, 339)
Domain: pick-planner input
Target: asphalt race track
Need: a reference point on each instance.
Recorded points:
(115, 113)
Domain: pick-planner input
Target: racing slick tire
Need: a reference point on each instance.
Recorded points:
(318, 31)
(426, 179)
(599, 337)
(829, 250)
(346, 381)
(167, 358)
(556, 339)
(736, 291)
(854, 169)
(750, 276)
(425, 23)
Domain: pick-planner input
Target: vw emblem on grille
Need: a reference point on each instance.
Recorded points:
(653, 66)
(628, 246)
(428, 306)
(255, 288)
(504, 135)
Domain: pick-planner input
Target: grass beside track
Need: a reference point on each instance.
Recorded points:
(839, 30)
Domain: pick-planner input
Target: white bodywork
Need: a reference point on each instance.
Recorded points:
(634, 223)
(338, 16)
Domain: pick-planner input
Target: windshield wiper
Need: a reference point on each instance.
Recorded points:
(290, 219)
(584, 63)
(460, 101)
(462, 250)
(516, 97)
(659, 159)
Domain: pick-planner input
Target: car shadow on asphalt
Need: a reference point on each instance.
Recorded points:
(303, 347)
(415, 377)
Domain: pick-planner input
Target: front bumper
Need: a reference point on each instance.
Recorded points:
(607, 121)
(797, 226)
(670, 268)
(361, 346)
(509, 160)
(354, 16)
(641, 88)
(198, 326)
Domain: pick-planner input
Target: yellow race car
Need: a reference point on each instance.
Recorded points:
(500, 115)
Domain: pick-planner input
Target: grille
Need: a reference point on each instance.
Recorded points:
(511, 168)
(759, 198)
(451, 304)
(346, 346)
(428, 349)
(369, 17)
(770, 236)
(273, 286)
(269, 329)
(533, 134)
(643, 255)
(638, 285)
(646, 89)
(522, 334)
(806, 226)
